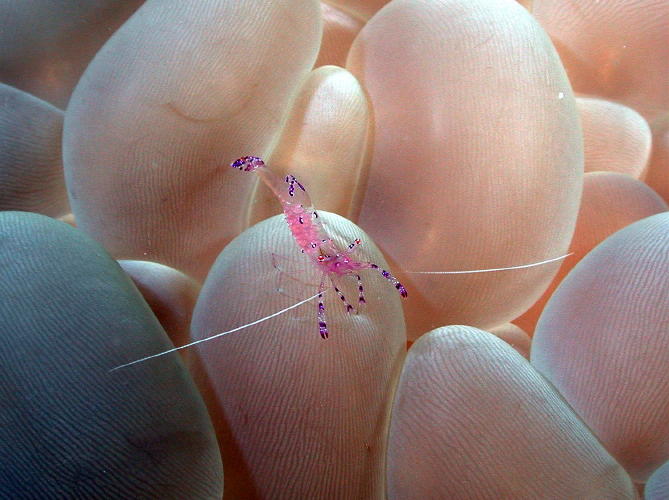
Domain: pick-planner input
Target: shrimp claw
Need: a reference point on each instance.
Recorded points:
(391, 278)
(248, 163)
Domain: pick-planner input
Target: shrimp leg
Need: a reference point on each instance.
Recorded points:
(349, 307)
(361, 293)
(322, 326)
(386, 274)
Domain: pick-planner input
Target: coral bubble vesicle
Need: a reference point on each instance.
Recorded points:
(477, 159)
(603, 342)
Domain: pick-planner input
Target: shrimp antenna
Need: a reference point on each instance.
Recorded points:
(215, 336)
(472, 271)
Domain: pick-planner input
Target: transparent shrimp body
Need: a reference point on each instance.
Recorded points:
(312, 238)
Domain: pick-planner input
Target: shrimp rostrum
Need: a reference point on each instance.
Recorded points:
(312, 238)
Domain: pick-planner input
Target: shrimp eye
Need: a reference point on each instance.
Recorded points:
(357, 241)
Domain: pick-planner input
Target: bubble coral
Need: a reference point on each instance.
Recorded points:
(449, 137)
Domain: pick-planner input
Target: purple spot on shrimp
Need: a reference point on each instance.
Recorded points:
(248, 163)
(373, 266)
(349, 308)
(385, 274)
(323, 329)
(362, 300)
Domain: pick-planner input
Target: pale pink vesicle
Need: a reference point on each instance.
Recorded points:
(362, 9)
(297, 417)
(68, 219)
(170, 294)
(473, 419)
(177, 93)
(603, 342)
(31, 168)
(515, 337)
(616, 138)
(616, 49)
(658, 168)
(324, 143)
(477, 158)
(610, 202)
(45, 46)
(339, 30)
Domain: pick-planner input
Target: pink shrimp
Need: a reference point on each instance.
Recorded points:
(311, 237)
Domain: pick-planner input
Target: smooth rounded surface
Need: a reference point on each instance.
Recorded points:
(603, 342)
(477, 159)
(45, 45)
(339, 30)
(473, 420)
(658, 168)
(515, 337)
(324, 144)
(179, 91)
(615, 49)
(170, 294)
(657, 487)
(610, 202)
(616, 138)
(31, 170)
(70, 428)
(362, 9)
(68, 219)
(298, 416)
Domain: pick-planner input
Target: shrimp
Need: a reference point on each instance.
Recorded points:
(313, 240)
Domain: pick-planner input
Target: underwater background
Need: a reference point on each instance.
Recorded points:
(506, 164)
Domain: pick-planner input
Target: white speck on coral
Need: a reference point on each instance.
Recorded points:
(560, 95)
